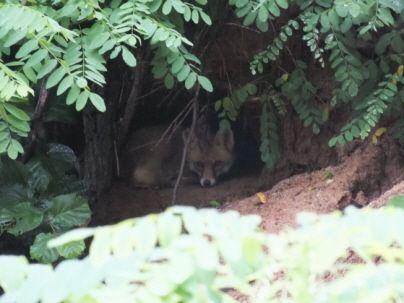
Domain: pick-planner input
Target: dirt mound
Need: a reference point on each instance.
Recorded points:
(361, 177)
(365, 173)
(396, 190)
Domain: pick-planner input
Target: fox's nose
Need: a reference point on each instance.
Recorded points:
(207, 182)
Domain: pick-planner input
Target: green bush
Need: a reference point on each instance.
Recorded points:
(360, 41)
(67, 44)
(189, 255)
(42, 199)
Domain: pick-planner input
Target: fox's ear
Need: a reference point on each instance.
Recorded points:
(225, 138)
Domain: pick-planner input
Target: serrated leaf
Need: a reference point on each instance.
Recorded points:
(72, 250)
(26, 218)
(38, 177)
(39, 250)
(68, 211)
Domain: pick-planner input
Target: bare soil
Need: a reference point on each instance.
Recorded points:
(367, 174)
(125, 201)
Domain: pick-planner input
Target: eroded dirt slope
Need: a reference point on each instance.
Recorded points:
(366, 174)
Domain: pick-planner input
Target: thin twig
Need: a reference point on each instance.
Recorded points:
(243, 27)
(185, 149)
(175, 123)
(118, 166)
(151, 92)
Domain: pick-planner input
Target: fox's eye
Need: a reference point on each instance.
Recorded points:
(218, 164)
(199, 165)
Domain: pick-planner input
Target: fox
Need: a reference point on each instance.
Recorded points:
(157, 161)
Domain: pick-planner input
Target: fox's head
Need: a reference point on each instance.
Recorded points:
(210, 156)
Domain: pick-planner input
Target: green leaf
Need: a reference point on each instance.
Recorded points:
(169, 81)
(341, 9)
(191, 79)
(72, 95)
(177, 65)
(16, 112)
(81, 82)
(274, 9)
(354, 10)
(55, 77)
(205, 83)
(38, 176)
(396, 5)
(13, 37)
(65, 84)
(27, 48)
(128, 57)
(98, 102)
(333, 141)
(263, 14)
(26, 218)
(82, 100)
(46, 68)
(12, 152)
(195, 16)
(205, 18)
(39, 250)
(282, 3)
(37, 57)
(68, 211)
(167, 7)
(396, 202)
(183, 74)
(72, 250)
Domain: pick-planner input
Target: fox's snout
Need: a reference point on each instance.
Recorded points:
(207, 182)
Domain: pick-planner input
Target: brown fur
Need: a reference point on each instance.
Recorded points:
(158, 165)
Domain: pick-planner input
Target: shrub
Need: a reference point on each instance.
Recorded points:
(188, 255)
(42, 199)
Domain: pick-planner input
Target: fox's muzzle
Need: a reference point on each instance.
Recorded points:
(207, 182)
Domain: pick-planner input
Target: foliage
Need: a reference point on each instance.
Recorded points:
(67, 45)
(42, 198)
(189, 255)
(334, 32)
(182, 255)
(270, 147)
(229, 107)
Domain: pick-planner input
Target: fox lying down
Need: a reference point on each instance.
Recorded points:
(157, 163)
